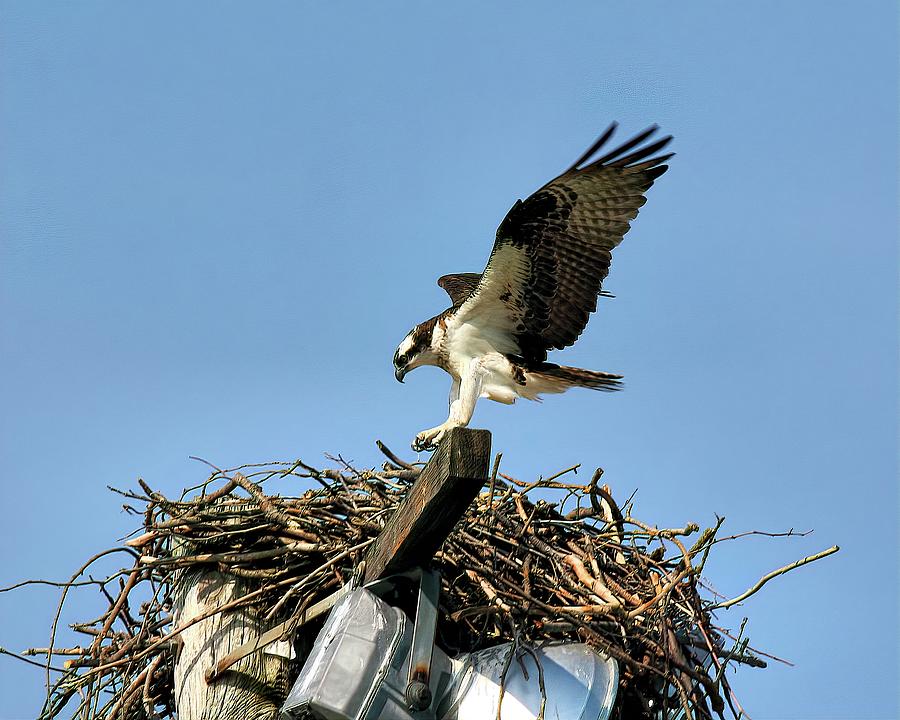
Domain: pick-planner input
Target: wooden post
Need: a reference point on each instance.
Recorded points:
(437, 500)
(255, 687)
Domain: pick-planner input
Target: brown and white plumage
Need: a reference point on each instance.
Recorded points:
(550, 257)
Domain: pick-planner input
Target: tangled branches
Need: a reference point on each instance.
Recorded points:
(517, 567)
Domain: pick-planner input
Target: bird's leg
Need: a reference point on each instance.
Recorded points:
(464, 394)
(454, 393)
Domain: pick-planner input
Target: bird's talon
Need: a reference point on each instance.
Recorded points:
(428, 440)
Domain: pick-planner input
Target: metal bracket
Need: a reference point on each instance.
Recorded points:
(418, 692)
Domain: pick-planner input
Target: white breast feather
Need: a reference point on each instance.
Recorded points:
(484, 326)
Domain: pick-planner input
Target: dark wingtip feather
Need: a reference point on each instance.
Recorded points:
(642, 153)
(654, 172)
(622, 156)
(620, 151)
(598, 143)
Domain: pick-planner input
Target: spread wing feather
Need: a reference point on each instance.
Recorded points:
(459, 286)
(553, 251)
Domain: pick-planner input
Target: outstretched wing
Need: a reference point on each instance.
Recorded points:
(553, 250)
(459, 286)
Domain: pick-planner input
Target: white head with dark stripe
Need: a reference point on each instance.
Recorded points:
(415, 350)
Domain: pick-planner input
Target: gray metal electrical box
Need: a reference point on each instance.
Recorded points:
(358, 669)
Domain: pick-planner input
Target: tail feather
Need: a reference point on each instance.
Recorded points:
(567, 377)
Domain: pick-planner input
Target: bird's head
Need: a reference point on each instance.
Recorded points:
(415, 350)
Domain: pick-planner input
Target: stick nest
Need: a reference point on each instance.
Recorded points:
(530, 562)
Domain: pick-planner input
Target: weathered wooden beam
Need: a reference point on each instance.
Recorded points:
(435, 503)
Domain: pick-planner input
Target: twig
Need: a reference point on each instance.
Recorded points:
(393, 458)
(10, 653)
(775, 573)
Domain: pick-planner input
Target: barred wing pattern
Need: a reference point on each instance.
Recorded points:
(553, 251)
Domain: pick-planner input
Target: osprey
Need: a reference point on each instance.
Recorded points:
(541, 283)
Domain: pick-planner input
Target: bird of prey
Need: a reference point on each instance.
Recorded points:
(550, 257)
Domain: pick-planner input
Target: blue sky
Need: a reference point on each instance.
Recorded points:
(217, 220)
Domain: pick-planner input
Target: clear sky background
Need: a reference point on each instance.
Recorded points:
(217, 220)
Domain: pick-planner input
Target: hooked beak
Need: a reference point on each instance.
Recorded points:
(400, 373)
